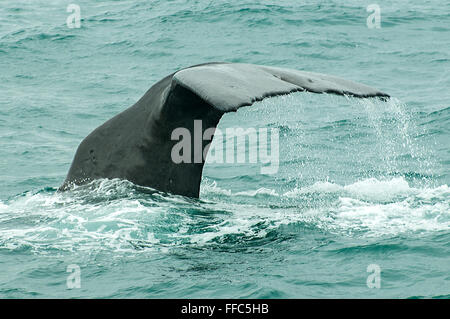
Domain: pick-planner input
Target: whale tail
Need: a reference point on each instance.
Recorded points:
(137, 144)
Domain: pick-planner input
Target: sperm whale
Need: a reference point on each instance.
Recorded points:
(136, 144)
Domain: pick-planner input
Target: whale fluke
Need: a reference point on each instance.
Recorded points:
(136, 144)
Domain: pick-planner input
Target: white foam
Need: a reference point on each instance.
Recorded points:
(442, 191)
(370, 189)
(210, 187)
(368, 207)
(391, 218)
(374, 189)
(259, 191)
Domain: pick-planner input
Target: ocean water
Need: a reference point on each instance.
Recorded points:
(362, 184)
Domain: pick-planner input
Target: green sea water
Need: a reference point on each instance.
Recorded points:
(360, 182)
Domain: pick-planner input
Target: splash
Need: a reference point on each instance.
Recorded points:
(397, 138)
(88, 219)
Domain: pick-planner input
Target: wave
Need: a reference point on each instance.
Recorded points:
(370, 207)
(117, 215)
